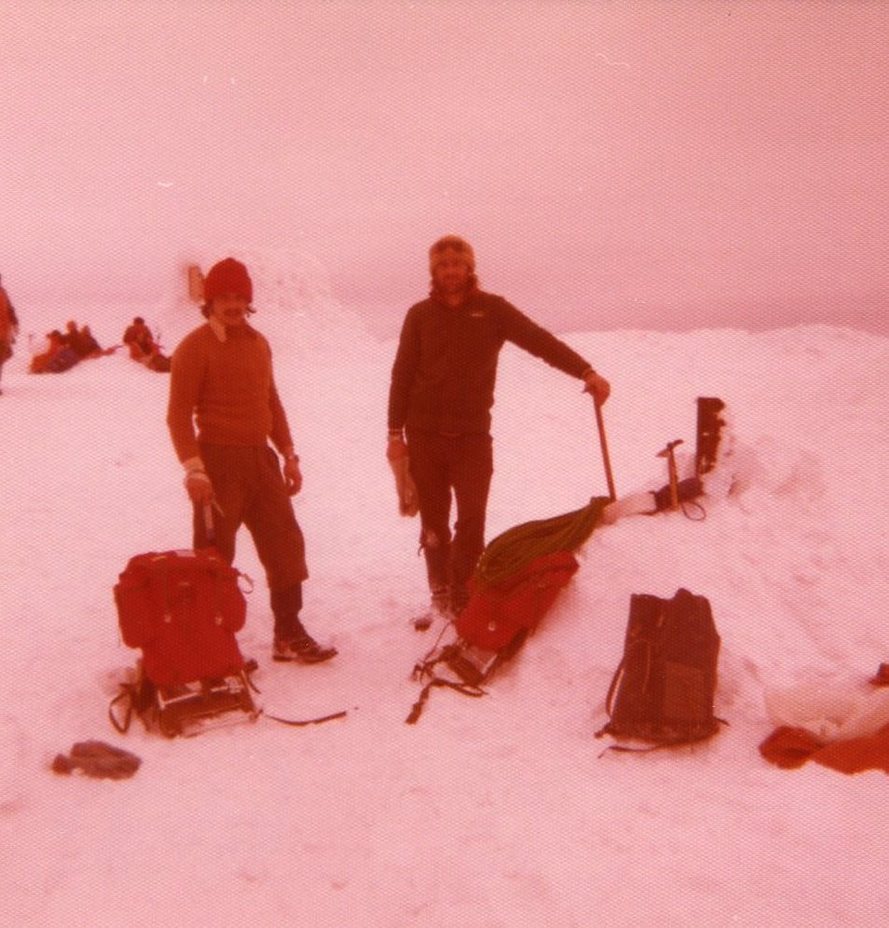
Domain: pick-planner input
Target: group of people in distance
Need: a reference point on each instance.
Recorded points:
(62, 350)
(227, 422)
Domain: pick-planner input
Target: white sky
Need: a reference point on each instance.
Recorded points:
(652, 164)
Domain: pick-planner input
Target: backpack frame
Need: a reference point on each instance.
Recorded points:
(182, 609)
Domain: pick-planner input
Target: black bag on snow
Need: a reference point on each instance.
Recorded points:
(709, 432)
(663, 689)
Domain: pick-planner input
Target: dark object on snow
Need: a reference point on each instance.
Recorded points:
(790, 748)
(686, 490)
(709, 432)
(98, 759)
(663, 689)
(182, 608)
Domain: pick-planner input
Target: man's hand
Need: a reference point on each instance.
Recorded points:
(399, 461)
(597, 386)
(293, 478)
(199, 488)
(408, 502)
(396, 449)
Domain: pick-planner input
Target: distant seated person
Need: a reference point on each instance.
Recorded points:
(139, 340)
(83, 342)
(143, 347)
(57, 356)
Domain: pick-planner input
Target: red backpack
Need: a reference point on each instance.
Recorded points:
(496, 615)
(182, 608)
(494, 625)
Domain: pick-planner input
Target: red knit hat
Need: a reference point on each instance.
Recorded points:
(228, 276)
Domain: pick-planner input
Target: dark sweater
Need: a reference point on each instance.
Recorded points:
(445, 368)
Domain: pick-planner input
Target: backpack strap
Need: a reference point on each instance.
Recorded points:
(126, 693)
(465, 688)
(249, 667)
(676, 742)
(301, 722)
(612, 689)
(426, 669)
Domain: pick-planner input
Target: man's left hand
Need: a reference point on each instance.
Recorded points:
(293, 478)
(597, 386)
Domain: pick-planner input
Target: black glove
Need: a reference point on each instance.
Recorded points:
(98, 759)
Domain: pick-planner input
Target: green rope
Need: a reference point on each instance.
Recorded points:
(510, 551)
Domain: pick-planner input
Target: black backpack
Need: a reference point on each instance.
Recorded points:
(663, 689)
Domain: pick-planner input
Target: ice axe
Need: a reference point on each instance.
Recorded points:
(603, 444)
(669, 454)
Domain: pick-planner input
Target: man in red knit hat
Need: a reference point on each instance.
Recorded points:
(222, 383)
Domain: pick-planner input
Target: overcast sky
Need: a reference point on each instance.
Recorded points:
(644, 164)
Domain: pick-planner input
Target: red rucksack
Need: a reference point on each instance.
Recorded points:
(182, 609)
(496, 614)
(494, 625)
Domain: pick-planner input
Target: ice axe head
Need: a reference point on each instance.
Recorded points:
(668, 451)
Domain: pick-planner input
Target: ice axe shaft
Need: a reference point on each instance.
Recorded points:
(209, 520)
(209, 523)
(670, 455)
(603, 444)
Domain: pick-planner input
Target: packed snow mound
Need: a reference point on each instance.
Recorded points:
(832, 706)
(294, 302)
(295, 307)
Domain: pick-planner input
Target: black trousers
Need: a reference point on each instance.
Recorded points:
(450, 468)
(249, 490)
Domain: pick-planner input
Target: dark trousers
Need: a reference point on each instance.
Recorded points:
(249, 490)
(442, 465)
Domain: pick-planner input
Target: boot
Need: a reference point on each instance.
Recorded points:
(292, 641)
(439, 606)
(303, 648)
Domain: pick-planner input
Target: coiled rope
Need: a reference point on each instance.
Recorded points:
(510, 551)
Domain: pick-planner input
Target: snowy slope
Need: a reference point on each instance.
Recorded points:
(492, 812)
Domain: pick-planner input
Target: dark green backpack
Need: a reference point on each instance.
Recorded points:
(664, 687)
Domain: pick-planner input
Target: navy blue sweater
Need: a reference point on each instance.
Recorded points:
(445, 368)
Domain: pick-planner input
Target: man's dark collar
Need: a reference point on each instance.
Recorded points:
(471, 291)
